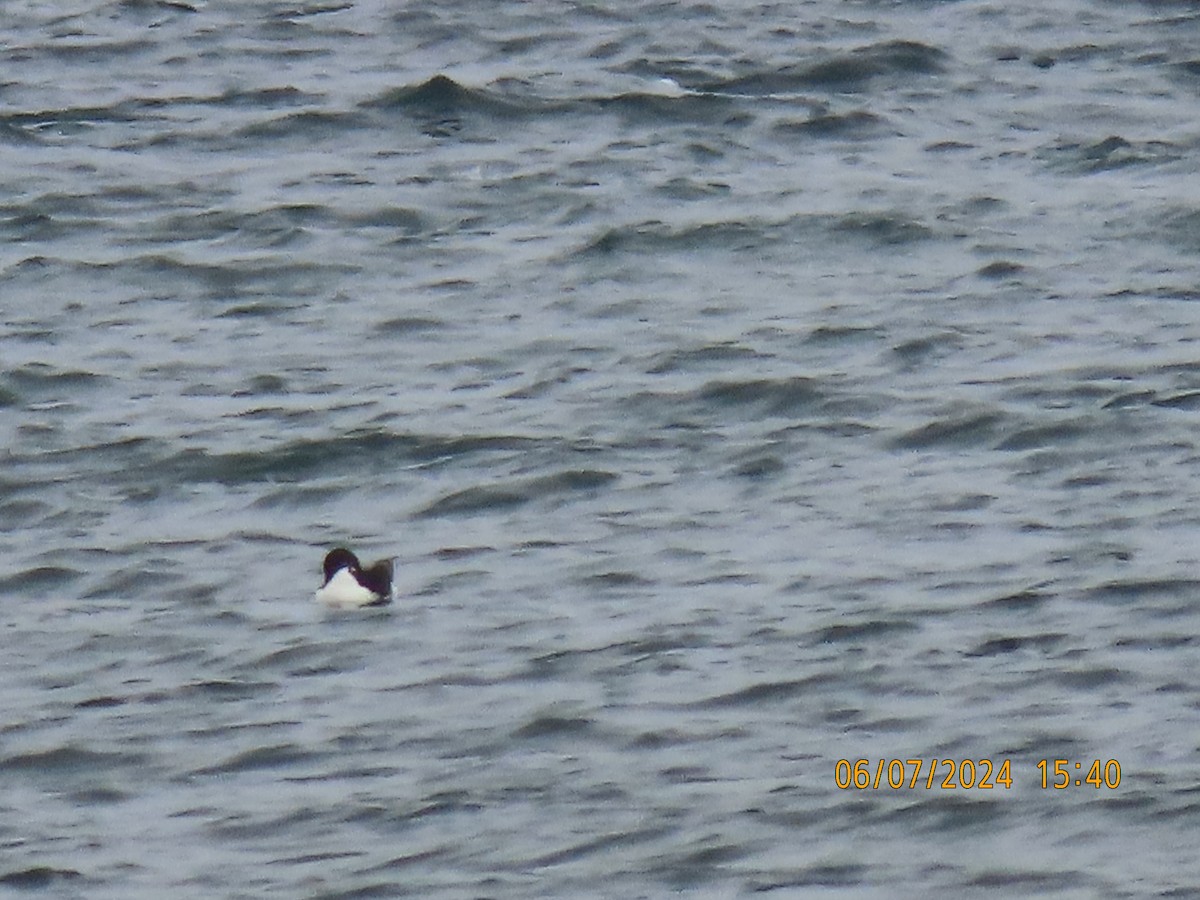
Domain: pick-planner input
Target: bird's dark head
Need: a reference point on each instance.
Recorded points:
(341, 558)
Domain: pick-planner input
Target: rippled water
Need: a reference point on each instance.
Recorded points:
(741, 388)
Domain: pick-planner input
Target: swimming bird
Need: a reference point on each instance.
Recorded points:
(347, 583)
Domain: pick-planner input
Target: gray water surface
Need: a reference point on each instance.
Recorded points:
(741, 388)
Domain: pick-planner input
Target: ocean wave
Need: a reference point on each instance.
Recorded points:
(881, 228)
(851, 71)
(793, 396)
(518, 492)
(38, 878)
(853, 125)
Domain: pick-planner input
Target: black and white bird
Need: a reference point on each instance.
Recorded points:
(347, 583)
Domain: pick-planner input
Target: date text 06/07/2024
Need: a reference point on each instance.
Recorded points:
(968, 774)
